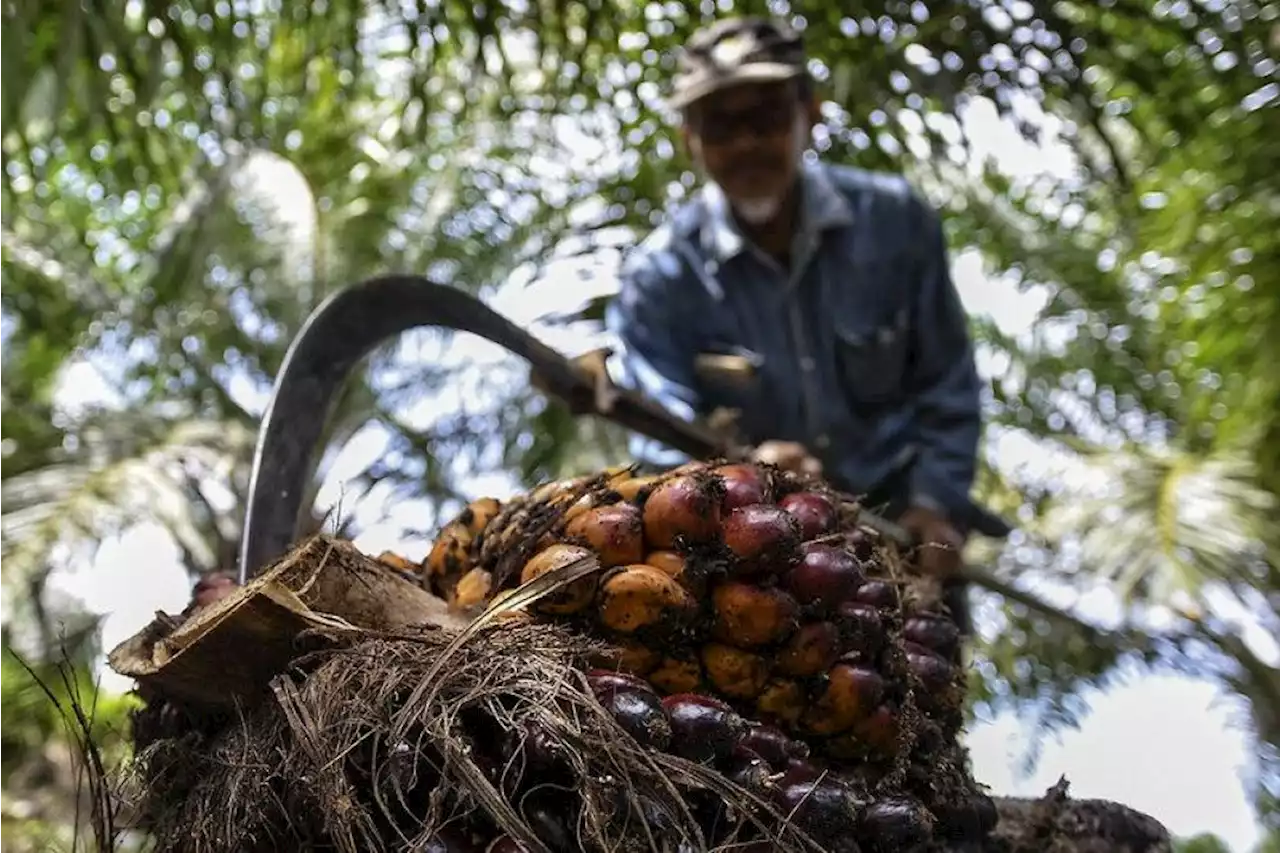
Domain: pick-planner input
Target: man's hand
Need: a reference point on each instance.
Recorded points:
(788, 455)
(940, 541)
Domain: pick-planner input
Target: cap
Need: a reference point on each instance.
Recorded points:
(733, 51)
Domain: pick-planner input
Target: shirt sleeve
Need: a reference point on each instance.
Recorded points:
(946, 384)
(654, 349)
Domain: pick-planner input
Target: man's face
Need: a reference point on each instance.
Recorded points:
(748, 137)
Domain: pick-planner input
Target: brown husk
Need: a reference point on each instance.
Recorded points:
(227, 653)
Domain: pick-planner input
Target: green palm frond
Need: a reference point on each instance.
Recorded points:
(1167, 531)
(1159, 522)
(127, 468)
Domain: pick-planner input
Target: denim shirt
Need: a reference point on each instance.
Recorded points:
(862, 348)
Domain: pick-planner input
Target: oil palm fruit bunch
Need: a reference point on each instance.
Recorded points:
(738, 581)
(837, 810)
(786, 787)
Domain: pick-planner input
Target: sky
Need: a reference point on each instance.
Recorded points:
(1165, 745)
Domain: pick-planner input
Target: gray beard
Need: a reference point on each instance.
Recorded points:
(758, 211)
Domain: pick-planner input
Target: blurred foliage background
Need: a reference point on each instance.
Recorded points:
(183, 183)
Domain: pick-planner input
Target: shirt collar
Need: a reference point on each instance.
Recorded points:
(822, 207)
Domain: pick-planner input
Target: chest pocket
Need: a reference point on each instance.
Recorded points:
(871, 357)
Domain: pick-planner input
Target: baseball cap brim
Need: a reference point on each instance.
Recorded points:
(699, 87)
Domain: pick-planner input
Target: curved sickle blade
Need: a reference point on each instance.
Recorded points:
(337, 336)
(347, 327)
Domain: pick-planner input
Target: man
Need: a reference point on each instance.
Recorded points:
(814, 300)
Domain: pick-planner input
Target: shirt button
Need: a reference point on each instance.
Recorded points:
(823, 441)
(807, 364)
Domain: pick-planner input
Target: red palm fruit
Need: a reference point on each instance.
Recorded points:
(541, 750)
(677, 673)
(614, 532)
(877, 593)
(685, 507)
(816, 513)
(825, 576)
(781, 699)
(676, 566)
(571, 598)
(801, 770)
(773, 745)
(763, 539)
(878, 733)
(628, 657)
(733, 671)
(702, 728)
(933, 631)
(641, 597)
(641, 714)
(743, 485)
(862, 544)
(935, 674)
(749, 770)
(896, 824)
(825, 809)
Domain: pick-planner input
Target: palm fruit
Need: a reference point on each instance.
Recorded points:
(761, 540)
(816, 514)
(737, 592)
(451, 554)
(615, 532)
(684, 507)
(573, 598)
(931, 643)
(835, 809)
(472, 590)
(736, 580)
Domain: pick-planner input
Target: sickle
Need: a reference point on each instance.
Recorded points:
(345, 329)
(349, 325)
(352, 323)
